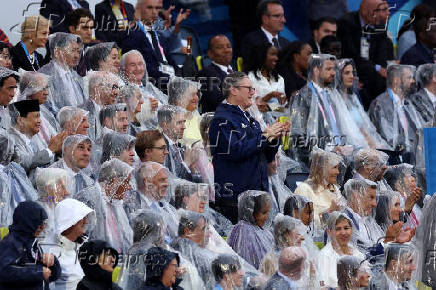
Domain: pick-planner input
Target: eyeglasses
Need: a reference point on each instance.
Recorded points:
(250, 89)
(163, 148)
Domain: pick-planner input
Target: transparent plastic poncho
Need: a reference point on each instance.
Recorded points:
(353, 119)
(76, 156)
(395, 118)
(247, 238)
(66, 87)
(106, 198)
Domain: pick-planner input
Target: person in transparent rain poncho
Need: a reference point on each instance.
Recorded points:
(180, 159)
(74, 120)
(113, 118)
(8, 83)
(149, 231)
(15, 186)
(353, 119)
(203, 162)
(186, 94)
(292, 273)
(361, 195)
(152, 183)
(34, 86)
(352, 273)
(299, 207)
(106, 198)
(76, 156)
(392, 112)
(424, 98)
(228, 272)
(52, 184)
(425, 241)
(339, 230)
(139, 114)
(277, 171)
(392, 219)
(65, 86)
(423, 101)
(399, 268)
(73, 220)
(371, 164)
(133, 71)
(118, 145)
(103, 90)
(103, 57)
(25, 124)
(401, 178)
(250, 238)
(312, 116)
(191, 241)
(322, 187)
(288, 232)
(194, 197)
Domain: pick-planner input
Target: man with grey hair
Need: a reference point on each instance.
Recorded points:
(65, 86)
(134, 71)
(73, 120)
(425, 99)
(239, 147)
(152, 183)
(103, 91)
(106, 198)
(392, 113)
(292, 264)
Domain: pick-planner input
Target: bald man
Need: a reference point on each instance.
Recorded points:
(221, 53)
(364, 39)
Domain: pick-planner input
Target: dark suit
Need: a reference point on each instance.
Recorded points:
(381, 50)
(107, 25)
(417, 55)
(137, 39)
(211, 78)
(315, 49)
(257, 37)
(20, 60)
(57, 11)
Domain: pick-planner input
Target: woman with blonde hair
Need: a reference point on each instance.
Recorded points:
(34, 35)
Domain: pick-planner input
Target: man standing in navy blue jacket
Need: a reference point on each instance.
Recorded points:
(239, 147)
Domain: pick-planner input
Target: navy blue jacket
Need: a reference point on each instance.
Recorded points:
(57, 11)
(417, 55)
(18, 267)
(240, 153)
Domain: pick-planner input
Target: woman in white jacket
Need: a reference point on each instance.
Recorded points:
(71, 217)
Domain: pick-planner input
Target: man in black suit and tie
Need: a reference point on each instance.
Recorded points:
(323, 27)
(364, 39)
(57, 11)
(272, 18)
(211, 77)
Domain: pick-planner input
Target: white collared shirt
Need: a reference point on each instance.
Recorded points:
(222, 67)
(269, 35)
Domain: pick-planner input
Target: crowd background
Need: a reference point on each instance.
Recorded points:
(145, 145)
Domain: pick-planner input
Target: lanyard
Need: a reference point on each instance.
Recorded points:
(123, 10)
(28, 56)
(319, 105)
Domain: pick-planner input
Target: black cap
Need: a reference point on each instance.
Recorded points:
(26, 106)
